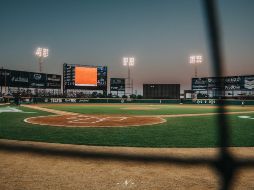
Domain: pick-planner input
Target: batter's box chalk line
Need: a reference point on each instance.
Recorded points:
(93, 119)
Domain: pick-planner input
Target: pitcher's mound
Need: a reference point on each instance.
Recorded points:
(81, 120)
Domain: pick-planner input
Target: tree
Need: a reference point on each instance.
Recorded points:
(133, 96)
(139, 96)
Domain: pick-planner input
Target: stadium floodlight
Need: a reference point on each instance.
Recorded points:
(195, 60)
(38, 52)
(129, 61)
(125, 61)
(41, 53)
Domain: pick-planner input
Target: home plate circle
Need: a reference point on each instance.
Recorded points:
(81, 120)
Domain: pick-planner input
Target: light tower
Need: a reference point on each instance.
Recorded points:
(41, 53)
(195, 60)
(129, 62)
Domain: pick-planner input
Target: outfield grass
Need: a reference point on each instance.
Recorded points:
(195, 131)
(127, 109)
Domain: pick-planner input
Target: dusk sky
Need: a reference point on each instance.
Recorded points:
(160, 34)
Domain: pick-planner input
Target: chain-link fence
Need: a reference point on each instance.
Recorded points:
(226, 164)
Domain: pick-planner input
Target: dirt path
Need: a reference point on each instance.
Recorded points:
(58, 112)
(46, 170)
(205, 114)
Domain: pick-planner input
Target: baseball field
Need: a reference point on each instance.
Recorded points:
(129, 125)
(54, 146)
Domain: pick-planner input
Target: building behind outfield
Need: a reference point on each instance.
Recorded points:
(161, 91)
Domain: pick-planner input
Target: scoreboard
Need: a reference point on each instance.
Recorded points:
(84, 77)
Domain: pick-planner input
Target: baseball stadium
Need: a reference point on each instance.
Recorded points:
(87, 126)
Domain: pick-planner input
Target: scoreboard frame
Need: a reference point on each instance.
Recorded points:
(69, 78)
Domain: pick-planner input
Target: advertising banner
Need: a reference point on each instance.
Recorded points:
(199, 84)
(54, 81)
(117, 84)
(14, 78)
(233, 83)
(37, 80)
(228, 83)
(25, 79)
(213, 83)
(248, 82)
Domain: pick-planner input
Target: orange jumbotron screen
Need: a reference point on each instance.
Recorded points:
(85, 76)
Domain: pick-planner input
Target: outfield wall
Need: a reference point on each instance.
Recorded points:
(120, 100)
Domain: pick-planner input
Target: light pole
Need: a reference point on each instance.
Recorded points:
(41, 53)
(129, 62)
(195, 60)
